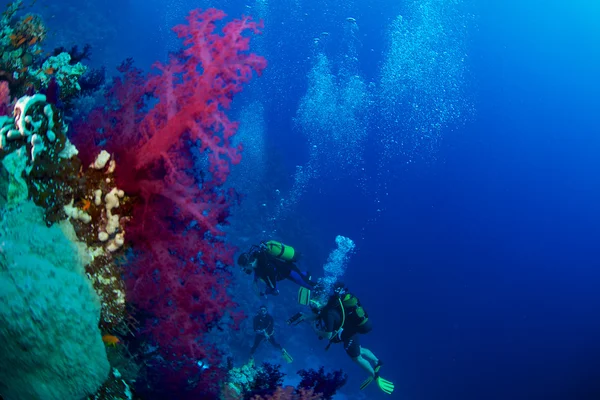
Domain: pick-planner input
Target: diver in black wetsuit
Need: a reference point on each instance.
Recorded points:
(339, 317)
(264, 327)
(272, 263)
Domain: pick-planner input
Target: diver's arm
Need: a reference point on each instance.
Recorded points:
(322, 334)
(256, 287)
(319, 326)
(327, 329)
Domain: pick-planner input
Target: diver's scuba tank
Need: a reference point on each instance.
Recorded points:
(354, 309)
(350, 305)
(280, 250)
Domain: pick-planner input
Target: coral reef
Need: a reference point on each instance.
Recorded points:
(240, 380)
(289, 393)
(42, 165)
(49, 312)
(33, 145)
(114, 388)
(327, 384)
(65, 72)
(266, 380)
(251, 382)
(38, 162)
(177, 274)
(22, 64)
(3, 187)
(76, 55)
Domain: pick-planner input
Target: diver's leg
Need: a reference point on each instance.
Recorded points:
(257, 341)
(353, 349)
(305, 277)
(368, 355)
(301, 279)
(275, 343)
(364, 364)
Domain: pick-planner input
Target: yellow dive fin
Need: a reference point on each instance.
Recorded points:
(385, 385)
(303, 296)
(286, 356)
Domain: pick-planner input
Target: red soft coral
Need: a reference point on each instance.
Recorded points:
(193, 103)
(5, 107)
(289, 393)
(152, 123)
(181, 274)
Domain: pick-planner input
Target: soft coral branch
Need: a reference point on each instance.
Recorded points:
(178, 223)
(193, 103)
(150, 124)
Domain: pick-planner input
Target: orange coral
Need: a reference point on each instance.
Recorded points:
(288, 394)
(29, 30)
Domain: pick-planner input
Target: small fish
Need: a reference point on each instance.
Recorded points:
(49, 71)
(29, 18)
(33, 41)
(110, 340)
(20, 42)
(86, 204)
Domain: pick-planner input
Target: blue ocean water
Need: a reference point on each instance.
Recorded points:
(460, 155)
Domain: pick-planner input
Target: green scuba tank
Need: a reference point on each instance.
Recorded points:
(352, 307)
(281, 251)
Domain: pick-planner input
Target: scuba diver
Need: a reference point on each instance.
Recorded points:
(272, 262)
(340, 318)
(264, 327)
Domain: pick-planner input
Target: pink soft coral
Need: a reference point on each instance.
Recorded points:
(5, 107)
(289, 394)
(151, 124)
(181, 275)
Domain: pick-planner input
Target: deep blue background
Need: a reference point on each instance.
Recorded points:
(486, 262)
